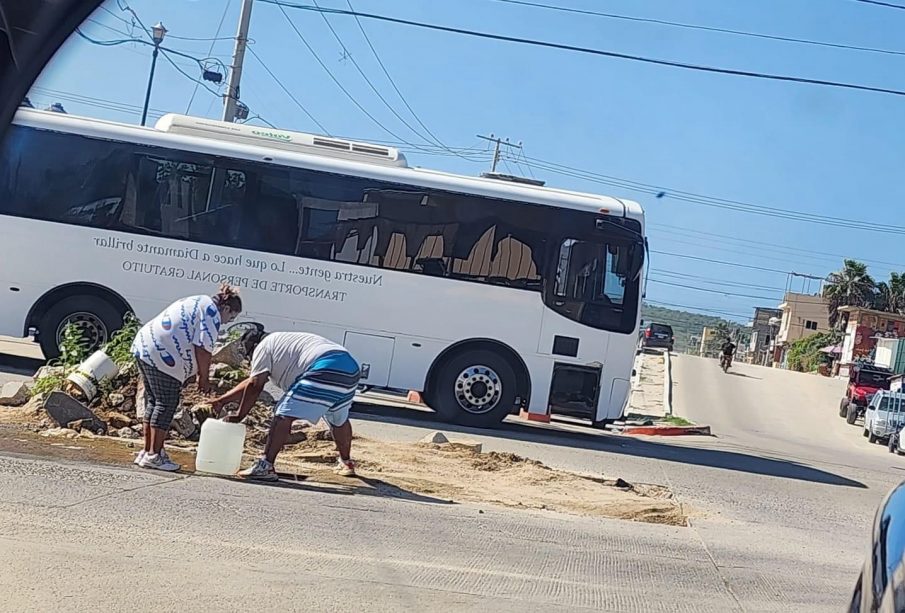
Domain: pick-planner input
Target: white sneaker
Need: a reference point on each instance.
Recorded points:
(159, 461)
(345, 468)
(261, 470)
(138, 457)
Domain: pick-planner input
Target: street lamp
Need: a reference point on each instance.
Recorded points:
(158, 32)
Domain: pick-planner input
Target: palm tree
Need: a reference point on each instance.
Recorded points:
(851, 286)
(891, 295)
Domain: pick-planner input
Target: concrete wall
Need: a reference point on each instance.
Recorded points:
(798, 311)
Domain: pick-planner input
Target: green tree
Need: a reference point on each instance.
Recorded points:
(721, 332)
(890, 295)
(851, 286)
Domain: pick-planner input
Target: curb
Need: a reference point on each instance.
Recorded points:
(667, 430)
(667, 383)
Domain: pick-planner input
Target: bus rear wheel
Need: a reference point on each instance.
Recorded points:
(475, 388)
(95, 318)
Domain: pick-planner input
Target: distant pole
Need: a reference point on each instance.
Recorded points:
(497, 143)
(231, 98)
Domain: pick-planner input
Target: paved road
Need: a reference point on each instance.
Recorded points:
(781, 503)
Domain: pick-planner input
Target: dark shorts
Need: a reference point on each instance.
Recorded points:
(162, 396)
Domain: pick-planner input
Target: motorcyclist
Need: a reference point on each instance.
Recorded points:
(727, 350)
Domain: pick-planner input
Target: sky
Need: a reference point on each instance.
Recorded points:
(797, 147)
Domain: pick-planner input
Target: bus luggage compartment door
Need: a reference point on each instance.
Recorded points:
(374, 354)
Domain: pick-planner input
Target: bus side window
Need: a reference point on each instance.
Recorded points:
(266, 215)
(172, 194)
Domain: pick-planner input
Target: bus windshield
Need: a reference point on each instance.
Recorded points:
(596, 283)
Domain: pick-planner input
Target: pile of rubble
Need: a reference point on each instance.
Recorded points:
(118, 408)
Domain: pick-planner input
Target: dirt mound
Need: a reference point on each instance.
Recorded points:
(459, 473)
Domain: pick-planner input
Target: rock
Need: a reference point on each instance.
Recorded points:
(116, 399)
(128, 368)
(140, 400)
(435, 438)
(127, 406)
(469, 446)
(320, 434)
(63, 409)
(86, 434)
(201, 412)
(127, 433)
(49, 371)
(138, 428)
(35, 403)
(622, 484)
(77, 424)
(217, 369)
(14, 394)
(118, 420)
(61, 432)
(183, 423)
(231, 354)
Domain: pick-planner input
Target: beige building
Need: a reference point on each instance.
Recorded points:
(802, 315)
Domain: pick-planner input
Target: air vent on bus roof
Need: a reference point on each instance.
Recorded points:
(498, 176)
(285, 140)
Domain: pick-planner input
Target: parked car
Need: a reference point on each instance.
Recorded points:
(658, 335)
(881, 584)
(884, 416)
(864, 380)
(895, 442)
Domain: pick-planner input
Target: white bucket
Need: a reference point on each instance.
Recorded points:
(220, 447)
(92, 372)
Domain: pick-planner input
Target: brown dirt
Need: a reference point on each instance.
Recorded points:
(446, 472)
(458, 473)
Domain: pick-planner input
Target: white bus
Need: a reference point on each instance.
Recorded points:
(487, 296)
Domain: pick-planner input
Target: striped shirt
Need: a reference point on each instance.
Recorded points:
(289, 355)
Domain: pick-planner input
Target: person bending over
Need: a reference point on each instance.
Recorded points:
(319, 379)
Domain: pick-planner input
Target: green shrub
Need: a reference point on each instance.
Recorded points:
(804, 354)
(119, 348)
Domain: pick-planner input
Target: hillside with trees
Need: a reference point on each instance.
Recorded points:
(686, 325)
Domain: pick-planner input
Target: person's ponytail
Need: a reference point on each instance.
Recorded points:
(228, 296)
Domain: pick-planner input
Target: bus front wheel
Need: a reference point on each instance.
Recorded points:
(96, 319)
(475, 388)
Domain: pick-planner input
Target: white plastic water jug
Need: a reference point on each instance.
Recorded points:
(220, 447)
(93, 371)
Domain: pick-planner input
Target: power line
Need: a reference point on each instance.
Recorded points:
(761, 255)
(886, 4)
(367, 79)
(721, 262)
(288, 93)
(335, 80)
(713, 281)
(712, 291)
(111, 105)
(597, 52)
(694, 308)
(214, 40)
(711, 201)
(392, 81)
(828, 255)
(690, 26)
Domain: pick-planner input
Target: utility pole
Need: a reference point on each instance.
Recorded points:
(231, 97)
(497, 143)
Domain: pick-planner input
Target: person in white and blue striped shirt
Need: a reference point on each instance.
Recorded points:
(319, 379)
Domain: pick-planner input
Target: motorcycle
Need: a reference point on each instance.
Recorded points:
(725, 362)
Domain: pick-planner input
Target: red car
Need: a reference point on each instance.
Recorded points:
(864, 380)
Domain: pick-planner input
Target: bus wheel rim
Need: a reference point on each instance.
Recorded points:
(93, 329)
(478, 389)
